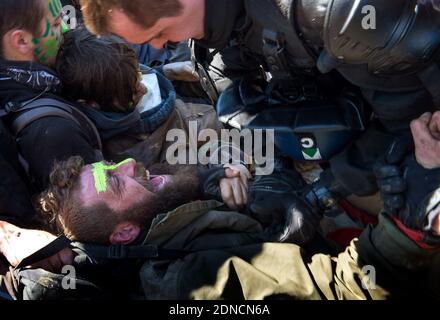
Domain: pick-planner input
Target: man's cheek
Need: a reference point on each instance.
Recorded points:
(47, 48)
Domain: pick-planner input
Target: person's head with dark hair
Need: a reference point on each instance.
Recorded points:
(102, 72)
(111, 203)
(30, 30)
(142, 21)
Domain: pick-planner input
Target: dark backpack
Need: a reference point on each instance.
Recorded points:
(30, 111)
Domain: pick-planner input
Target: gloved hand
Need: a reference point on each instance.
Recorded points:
(422, 197)
(272, 195)
(297, 225)
(411, 194)
(276, 205)
(391, 183)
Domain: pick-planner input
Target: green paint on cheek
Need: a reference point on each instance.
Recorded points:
(46, 32)
(51, 47)
(54, 7)
(52, 10)
(99, 171)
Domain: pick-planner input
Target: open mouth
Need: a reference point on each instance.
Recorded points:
(159, 182)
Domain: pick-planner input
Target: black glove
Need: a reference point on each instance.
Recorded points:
(276, 205)
(298, 225)
(270, 196)
(388, 171)
(422, 197)
(210, 182)
(411, 193)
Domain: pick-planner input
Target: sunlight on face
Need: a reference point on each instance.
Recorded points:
(47, 45)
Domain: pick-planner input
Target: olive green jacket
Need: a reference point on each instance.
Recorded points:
(230, 260)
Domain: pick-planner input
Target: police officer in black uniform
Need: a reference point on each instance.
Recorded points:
(327, 62)
(387, 49)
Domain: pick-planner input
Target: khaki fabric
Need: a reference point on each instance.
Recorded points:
(230, 260)
(151, 148)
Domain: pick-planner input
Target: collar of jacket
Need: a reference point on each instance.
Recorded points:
(31, 74)
(221, 19)
(179, 228)
(165, 225)
(111, 124)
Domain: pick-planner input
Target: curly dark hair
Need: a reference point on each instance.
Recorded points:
(60, 207)
(58, 197)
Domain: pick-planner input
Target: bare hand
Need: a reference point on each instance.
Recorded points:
(17, 244)
(181, 71)
(234, 188)
(426, 133)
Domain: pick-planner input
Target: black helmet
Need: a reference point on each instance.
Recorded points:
(311, 130)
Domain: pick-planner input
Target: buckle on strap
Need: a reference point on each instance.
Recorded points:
(273, 50)
(117, 251)
(11, 107)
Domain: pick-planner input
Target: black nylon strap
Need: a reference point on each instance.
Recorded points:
(113, 252)
(25, 119)
(118, 252)
(48, 251)
(47, 107)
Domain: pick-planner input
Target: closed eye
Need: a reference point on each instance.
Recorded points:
(115, 183)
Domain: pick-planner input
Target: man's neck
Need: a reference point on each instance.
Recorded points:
(13, 55)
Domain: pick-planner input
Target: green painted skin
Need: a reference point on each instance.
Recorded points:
(99, 171)
(49, 42)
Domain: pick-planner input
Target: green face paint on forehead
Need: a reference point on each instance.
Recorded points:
(99, 171)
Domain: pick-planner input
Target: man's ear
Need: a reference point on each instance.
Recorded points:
(18, 45)
(125, 233)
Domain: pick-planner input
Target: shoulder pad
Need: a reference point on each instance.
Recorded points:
(402, 37)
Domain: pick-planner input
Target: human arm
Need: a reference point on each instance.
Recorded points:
(228, 183)
(17, 243)
(411, 189)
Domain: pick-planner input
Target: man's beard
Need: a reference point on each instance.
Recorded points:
(183, 188)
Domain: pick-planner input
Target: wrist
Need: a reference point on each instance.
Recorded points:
(319, 197)
(333, 185)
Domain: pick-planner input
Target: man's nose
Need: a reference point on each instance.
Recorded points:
(126, 169)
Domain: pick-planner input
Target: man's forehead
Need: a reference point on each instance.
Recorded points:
(120, 24)
(105, 165)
